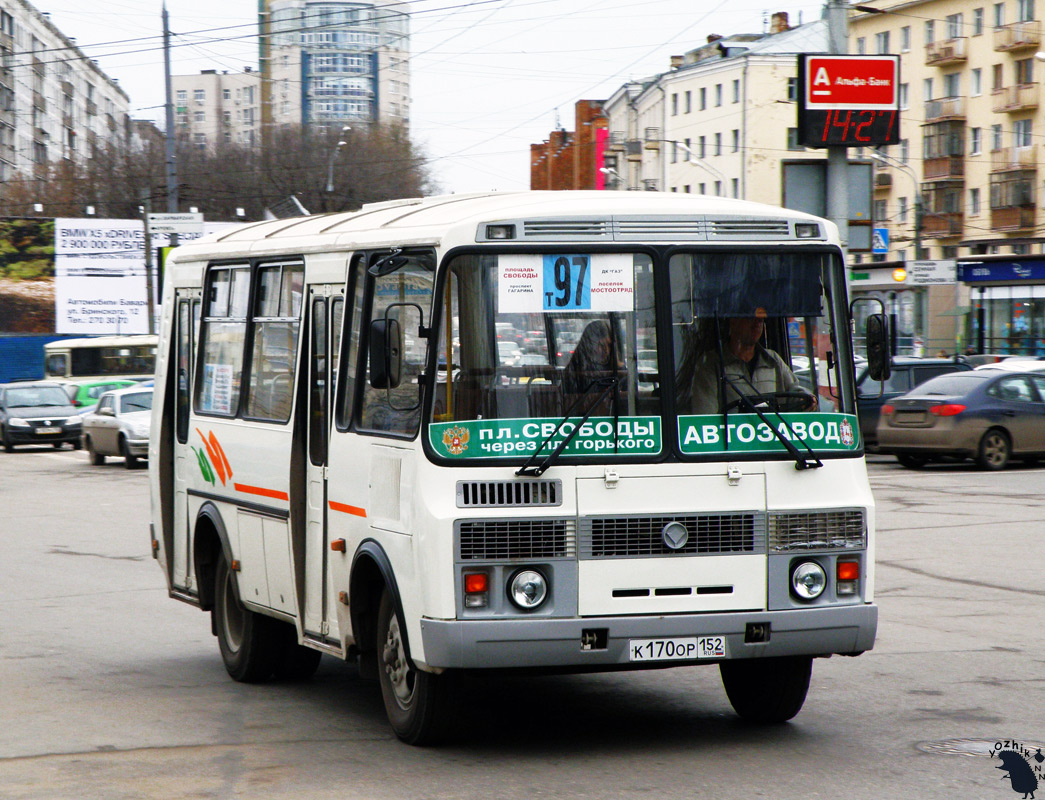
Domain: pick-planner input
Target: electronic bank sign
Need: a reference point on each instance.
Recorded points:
(848, 101)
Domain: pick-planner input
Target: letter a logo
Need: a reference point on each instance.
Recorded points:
(821, 77)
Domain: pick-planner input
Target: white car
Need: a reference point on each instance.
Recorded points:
(119, 426)
(1016, 365)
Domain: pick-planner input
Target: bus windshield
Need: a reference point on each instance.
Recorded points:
(535, 349)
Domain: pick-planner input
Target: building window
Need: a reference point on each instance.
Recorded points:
(995, 137)
(702, 188)
(977, 82)
(702, 147)
(974, 201)
(718, 144)
(199, 95)
(792, 139)
(718, 188)
(736, 188)
(905, 92)
(736, 91)
(975, 141)
(689, 101)
(686, 189)
(736, 140)
(861, 46)
(1021, 133)
(999, 15)
(718, 94)
(703, 99)
(200, 140)
(182, 96)
(226, 94)
(901, 209)
(997, 78)
(952, 85)
(687, 150)
(954, 26)
(881, 43)
(1024, 71)
(199, 116)
(792, 89)
(905, 38)
(930, 31)
(1025, 10)
(927, 89)
(977, 22)
(674, 104)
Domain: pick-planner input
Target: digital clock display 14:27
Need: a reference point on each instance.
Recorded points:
(848, 128)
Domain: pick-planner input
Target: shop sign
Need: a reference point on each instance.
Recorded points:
(997, 271)
(924, 273)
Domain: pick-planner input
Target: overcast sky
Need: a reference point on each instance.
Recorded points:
(489, 77)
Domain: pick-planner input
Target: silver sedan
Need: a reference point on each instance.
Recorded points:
(119, 426)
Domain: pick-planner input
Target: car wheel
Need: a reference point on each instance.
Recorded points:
(97, 459)
(995, 450)
(912, 462)
(247, 640)
(77, 444)
(767, 690)
(417, 703)
(129, 461)
(8, 447)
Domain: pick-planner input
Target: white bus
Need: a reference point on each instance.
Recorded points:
(517, 431)
(96, 357)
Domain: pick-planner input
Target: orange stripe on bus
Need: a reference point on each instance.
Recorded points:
(355, 511)
(273, 493)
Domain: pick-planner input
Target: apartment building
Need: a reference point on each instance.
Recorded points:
(214, 108)
(55, 103)
(332, 63)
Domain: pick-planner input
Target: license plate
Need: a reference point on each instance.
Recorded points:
(48, 430)
(685, 648)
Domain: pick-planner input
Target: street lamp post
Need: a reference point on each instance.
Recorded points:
(919, 208)
(333, 157)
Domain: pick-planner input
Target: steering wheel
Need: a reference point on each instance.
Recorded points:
(794, 400)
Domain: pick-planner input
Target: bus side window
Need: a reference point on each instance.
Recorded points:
(352, 322)
(182, 389)
(277, 319)
(398, 410)
(223, 335)
(318, 389)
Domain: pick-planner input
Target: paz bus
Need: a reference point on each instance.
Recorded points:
(98, 357)
(346, 460)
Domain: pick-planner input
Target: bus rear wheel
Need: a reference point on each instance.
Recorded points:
(767, 690)
(417, 703)
(247, 640)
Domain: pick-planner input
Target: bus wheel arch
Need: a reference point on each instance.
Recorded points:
(210, 540)
(371, 573)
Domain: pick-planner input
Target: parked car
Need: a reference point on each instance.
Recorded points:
(85, 394)
(907, 373)
(119, 426)
(986, 415)
(1016, 365)
(508, 353)
(37, 412)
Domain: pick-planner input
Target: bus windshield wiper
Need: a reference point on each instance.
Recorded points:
(801, 461)
(606, 384)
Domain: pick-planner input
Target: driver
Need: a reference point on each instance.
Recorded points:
(750, 366)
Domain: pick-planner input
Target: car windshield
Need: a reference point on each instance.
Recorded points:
(26, 397)
(953, 385)
(139, 401)
(538, 339)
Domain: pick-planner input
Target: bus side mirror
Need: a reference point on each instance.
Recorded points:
(877, 339)
(386, 353)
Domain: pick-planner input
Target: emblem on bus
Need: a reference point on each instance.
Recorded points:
(674, 535)
(456, 440)
(214, 462)
(845, 429)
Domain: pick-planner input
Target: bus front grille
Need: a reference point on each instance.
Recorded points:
(509, 494)
(817, 530)
(642, 537)
(511, 539)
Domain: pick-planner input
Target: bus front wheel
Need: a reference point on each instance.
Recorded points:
(247, 640)
(767, 690)
(417, 703)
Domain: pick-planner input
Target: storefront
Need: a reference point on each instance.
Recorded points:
(1008, 298)
(929, 308)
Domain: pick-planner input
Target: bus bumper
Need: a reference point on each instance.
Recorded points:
(455, 644)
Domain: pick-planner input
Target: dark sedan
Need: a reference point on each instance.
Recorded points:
(37, 412)
(986, 415)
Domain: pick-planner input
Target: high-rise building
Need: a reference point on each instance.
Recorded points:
(55, 102)
(218, 108)
(328, 63)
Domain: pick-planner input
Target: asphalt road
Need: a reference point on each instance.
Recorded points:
(108, 689)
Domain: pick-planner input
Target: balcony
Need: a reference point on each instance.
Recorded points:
(91, 107)
(1011, 99)
(945, 52)
(944, 168)
(945, 108)
(1024, 35)
(616, 141)
(652, 137)
(942, 225)
(883, 180)
(1013, 218)
(650, 185)
(38, 102)
(633, 149)
(1011, 159)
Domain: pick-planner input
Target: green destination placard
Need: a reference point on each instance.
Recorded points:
(511, 438)
(746, 433)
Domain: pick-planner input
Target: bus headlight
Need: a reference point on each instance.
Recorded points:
(528, 589)
(808, 580)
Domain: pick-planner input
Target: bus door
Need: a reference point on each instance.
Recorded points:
(326, 306)
(186, 332)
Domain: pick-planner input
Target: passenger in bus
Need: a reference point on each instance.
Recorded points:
(752, 367)
(595, 357)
